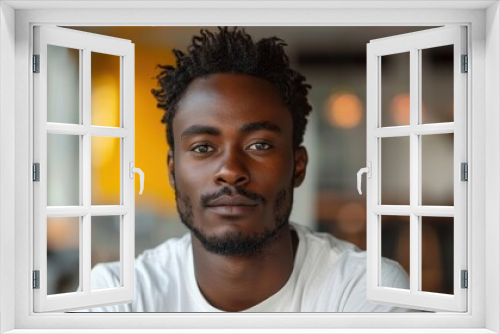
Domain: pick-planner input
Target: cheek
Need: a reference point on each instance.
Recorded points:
(189, 177)
(275, 176)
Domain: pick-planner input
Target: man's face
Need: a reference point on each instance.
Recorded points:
(234, 166)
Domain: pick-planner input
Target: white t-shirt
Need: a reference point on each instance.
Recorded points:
(329, 275)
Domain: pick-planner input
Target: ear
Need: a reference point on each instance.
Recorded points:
(301, 159)
(171, 169)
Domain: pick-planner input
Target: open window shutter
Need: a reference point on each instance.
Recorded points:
(64, 134)
(415, 44)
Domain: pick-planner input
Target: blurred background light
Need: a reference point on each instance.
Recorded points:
(344, 110)
(400, 109)
(63, 233)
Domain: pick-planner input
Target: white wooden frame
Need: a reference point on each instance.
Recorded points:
(483, 315)
(413, 43)
(86, 43)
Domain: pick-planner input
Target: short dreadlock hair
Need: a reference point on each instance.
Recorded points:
(233, 51)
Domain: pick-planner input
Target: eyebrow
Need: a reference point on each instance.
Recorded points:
(200, 129)
(210, 130)
(251, 127)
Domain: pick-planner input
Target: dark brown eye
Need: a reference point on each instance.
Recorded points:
(259, 146)
(203, 148)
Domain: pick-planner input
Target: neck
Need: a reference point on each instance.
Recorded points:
(236, 283)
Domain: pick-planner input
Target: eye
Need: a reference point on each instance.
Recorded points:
(204, 148)
(259, 147)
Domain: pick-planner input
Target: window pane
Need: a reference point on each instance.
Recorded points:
(106, 241)
(395, 166)
(437, 254)
(63, 254)
(105, 171)
(437, 84)
(63, 170)
(105, 90)
(395, 89)
(437, 169)
(395, 245)
(63, 85)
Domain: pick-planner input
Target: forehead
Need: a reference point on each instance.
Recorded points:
(231, 100)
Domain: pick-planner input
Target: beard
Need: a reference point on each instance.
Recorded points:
(236, 243)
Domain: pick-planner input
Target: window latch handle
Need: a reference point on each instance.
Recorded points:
(368, 171)
(133, 170)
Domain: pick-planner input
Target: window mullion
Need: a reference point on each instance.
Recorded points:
(127, 155)
(415, 172)
(83, 282)
(85, 241)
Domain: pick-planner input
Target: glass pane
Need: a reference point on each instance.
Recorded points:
(106, 242)
(437, 84)
(63, 254)
(105, 90)
(395, 167)
(395, 231)
(437, 254)
(105, 170)
(63, 85)
(437, 169)
(395, 89)
(63, 170)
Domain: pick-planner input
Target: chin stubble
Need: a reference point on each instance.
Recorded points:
(236, 243)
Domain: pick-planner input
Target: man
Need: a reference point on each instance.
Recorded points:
(235, 117)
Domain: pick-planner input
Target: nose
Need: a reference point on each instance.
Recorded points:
(232, 170)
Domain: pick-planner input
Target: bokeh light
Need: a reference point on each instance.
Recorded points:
(344, 110)
(400, 109)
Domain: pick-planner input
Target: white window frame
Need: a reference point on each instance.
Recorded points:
(85, 43)
(16, 216)
(413, 44)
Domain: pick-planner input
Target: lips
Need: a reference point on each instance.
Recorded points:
(236, 200)
(232, 205)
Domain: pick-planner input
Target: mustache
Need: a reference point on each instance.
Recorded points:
(230, 191)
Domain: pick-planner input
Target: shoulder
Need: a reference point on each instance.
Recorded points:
(320, 243)
(172, 250)
(156, 271)
(161, 269)
(161, 258)
(353, 269)
(354, 264)
(337, 277)
(348, 258)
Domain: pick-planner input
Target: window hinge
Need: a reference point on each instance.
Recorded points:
(36, 63)
(36, 172)
(36, 279)
(465, 279)
(465, 64)
(464, 172)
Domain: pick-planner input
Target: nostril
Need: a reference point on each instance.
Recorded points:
(231, 177)
(232, 170)
(241, 180)
(233, 180)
